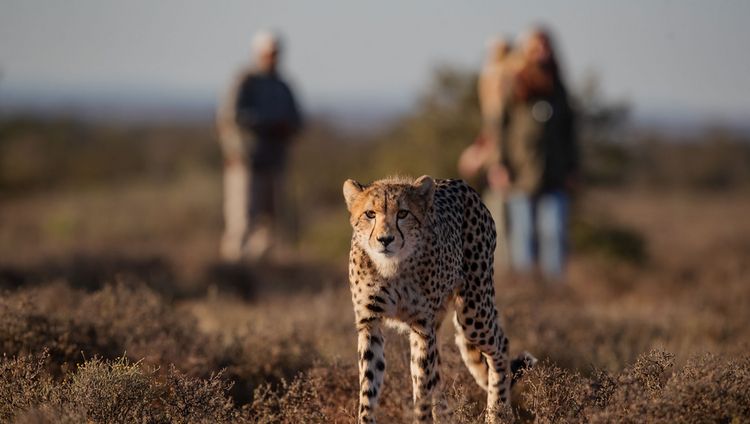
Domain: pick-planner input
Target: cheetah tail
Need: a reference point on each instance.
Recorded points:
(522, 363)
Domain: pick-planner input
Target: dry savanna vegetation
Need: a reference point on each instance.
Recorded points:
(115, 308)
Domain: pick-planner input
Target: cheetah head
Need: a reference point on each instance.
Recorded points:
(388, 218)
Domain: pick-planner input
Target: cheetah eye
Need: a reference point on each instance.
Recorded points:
(370, 214)
(402, 214)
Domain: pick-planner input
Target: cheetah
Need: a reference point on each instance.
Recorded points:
(418, 246)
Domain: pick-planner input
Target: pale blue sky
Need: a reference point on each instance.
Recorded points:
(662, 56)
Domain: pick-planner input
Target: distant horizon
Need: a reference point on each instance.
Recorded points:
(346, 113)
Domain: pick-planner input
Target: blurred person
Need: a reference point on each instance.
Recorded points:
(494, 85)
(256, 122)
(538, 159)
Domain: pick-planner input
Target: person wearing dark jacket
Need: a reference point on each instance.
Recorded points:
(539, 159)
(256, 121)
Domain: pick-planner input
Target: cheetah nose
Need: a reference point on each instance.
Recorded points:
(386, 240)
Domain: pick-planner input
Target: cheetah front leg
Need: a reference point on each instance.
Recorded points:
(425, 374)
(371, 369)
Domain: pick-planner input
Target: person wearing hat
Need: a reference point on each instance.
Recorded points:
(256, 122)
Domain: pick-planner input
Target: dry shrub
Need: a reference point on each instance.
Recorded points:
(338, 385)
(707, 389)
(117, 319)
(710, 387)
(637, 385)
(24, 384)
(554, 395)
(292, 356)
(47, 331)
(603, 385)
(73, 325)
(190, 399)
(285, 370)
(297, 402)
(144, 325)
(263, 358)
(27, 328)
(117, 391)
(464, 409)
(327, 393)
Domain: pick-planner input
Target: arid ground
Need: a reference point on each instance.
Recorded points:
(115, 308)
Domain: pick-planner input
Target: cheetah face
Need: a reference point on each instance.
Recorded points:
(387, 217)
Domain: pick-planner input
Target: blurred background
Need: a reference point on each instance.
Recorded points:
(110, 108)
(110, 169)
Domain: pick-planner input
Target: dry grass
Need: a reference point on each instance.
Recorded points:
(164, 335)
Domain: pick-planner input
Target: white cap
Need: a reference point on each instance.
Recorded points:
(265, 41)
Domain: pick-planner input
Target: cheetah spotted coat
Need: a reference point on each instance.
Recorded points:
(418, 247)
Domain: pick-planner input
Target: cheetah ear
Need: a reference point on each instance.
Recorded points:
(352, 189)
(425, 186)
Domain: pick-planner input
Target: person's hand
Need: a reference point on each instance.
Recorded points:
(481, 141)
(234, 160)
(471, 159)
(498, 177)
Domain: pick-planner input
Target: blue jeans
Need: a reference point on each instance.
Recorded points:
(537, 232)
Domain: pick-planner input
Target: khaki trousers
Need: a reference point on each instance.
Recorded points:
(252, 203)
